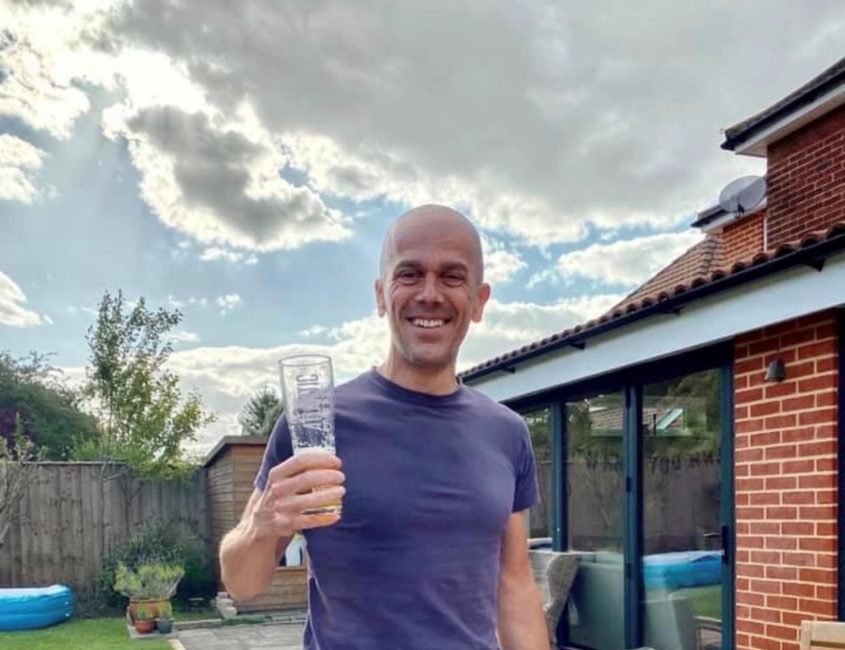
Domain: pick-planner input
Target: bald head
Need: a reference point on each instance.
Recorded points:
(435, 218)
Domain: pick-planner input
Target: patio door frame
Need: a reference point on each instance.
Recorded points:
(631, 382)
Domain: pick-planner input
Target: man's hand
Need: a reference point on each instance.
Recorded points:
(290, 491)
(249, 554)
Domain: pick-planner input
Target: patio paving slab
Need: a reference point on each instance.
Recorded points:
(280, 636)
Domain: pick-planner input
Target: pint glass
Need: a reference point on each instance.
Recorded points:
(308, 389)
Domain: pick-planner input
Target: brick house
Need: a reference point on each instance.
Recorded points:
(689, 438)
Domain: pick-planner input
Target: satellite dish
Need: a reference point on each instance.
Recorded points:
(743, 194)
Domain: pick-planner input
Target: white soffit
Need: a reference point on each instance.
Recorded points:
(772, 299)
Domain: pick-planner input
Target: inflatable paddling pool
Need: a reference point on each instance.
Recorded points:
(30, 608)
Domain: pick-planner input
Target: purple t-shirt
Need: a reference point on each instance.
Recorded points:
(430, 484)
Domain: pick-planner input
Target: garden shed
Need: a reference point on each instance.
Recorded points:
(230, 469)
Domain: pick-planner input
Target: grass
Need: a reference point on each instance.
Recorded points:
(706, 601)
(90, 634)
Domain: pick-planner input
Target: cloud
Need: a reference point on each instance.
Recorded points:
(73, 310)
(193, 301)
(314, 330)
(214, 254)
(623, 263)
(12, 306)
(500, 264)
(44, 56)
(538, 118)
(183, 336)
(227, 376)
(19, 160)
(218, 182)
(511, 325)
(228, 302)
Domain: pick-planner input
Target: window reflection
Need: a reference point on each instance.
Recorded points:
(595, 481)
(682, 563)
(540, 516)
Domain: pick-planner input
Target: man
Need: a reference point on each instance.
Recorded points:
(430, 552)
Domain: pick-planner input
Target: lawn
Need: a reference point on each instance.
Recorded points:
(90, 634)
(706, 601)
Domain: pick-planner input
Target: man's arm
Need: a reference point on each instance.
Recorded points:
(250, 552)
(522, 623)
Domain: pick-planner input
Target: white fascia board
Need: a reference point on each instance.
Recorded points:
(757, 145)
(773, 299)
(729, 217)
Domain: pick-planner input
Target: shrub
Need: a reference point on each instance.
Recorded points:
(161, 543)
(148, 580)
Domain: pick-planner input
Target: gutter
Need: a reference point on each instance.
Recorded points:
(812, 255)
(734, 140)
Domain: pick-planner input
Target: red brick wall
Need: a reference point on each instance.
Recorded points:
(742, 239)
(786, 481)
(806, 179)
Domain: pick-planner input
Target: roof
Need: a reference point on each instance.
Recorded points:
(227, 441)
(704, 278)
(806, 94)
(699, 261)
(716, 215)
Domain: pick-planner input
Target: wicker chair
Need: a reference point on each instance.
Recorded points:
(554, 574)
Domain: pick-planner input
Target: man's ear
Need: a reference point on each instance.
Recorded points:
(481, 300)
(379, 288)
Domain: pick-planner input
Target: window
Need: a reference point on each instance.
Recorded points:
(540, 516)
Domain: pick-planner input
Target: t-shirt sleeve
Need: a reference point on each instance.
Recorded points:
(278, 450)
(527, 492)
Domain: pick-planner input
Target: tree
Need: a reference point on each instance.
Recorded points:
(17, 469)
(260, 413)
(144, 417)
(50, 413)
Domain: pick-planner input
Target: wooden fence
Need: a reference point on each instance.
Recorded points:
(70, 520)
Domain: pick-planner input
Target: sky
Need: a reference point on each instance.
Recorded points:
(242, 165)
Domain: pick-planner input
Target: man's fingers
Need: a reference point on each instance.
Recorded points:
(302, 463)
(307, 481)
(306, 522)
(316, 499)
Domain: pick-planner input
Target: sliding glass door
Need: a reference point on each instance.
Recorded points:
(638, 482)
(681, 496)
(595, 483)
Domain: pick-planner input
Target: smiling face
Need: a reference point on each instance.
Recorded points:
(431, 287)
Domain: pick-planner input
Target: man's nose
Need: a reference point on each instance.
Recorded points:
(430, 291)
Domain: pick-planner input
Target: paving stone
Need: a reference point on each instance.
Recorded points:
(244, 637)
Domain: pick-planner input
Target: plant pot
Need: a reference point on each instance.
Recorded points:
(143, 626)
(152, 608)
(164, 625)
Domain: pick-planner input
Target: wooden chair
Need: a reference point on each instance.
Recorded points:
(822, 635)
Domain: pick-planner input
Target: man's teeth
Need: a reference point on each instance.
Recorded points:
(423, 322)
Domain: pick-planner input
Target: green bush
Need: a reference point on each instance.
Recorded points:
(148, 580)
(165, 544)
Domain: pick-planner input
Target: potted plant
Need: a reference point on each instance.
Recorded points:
(149, 585)
(144, 618)
(164, 623)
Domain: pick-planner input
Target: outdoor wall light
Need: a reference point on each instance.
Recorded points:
(776, 371)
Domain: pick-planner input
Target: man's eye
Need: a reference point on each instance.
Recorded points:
(454, 279)
(407, 276)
